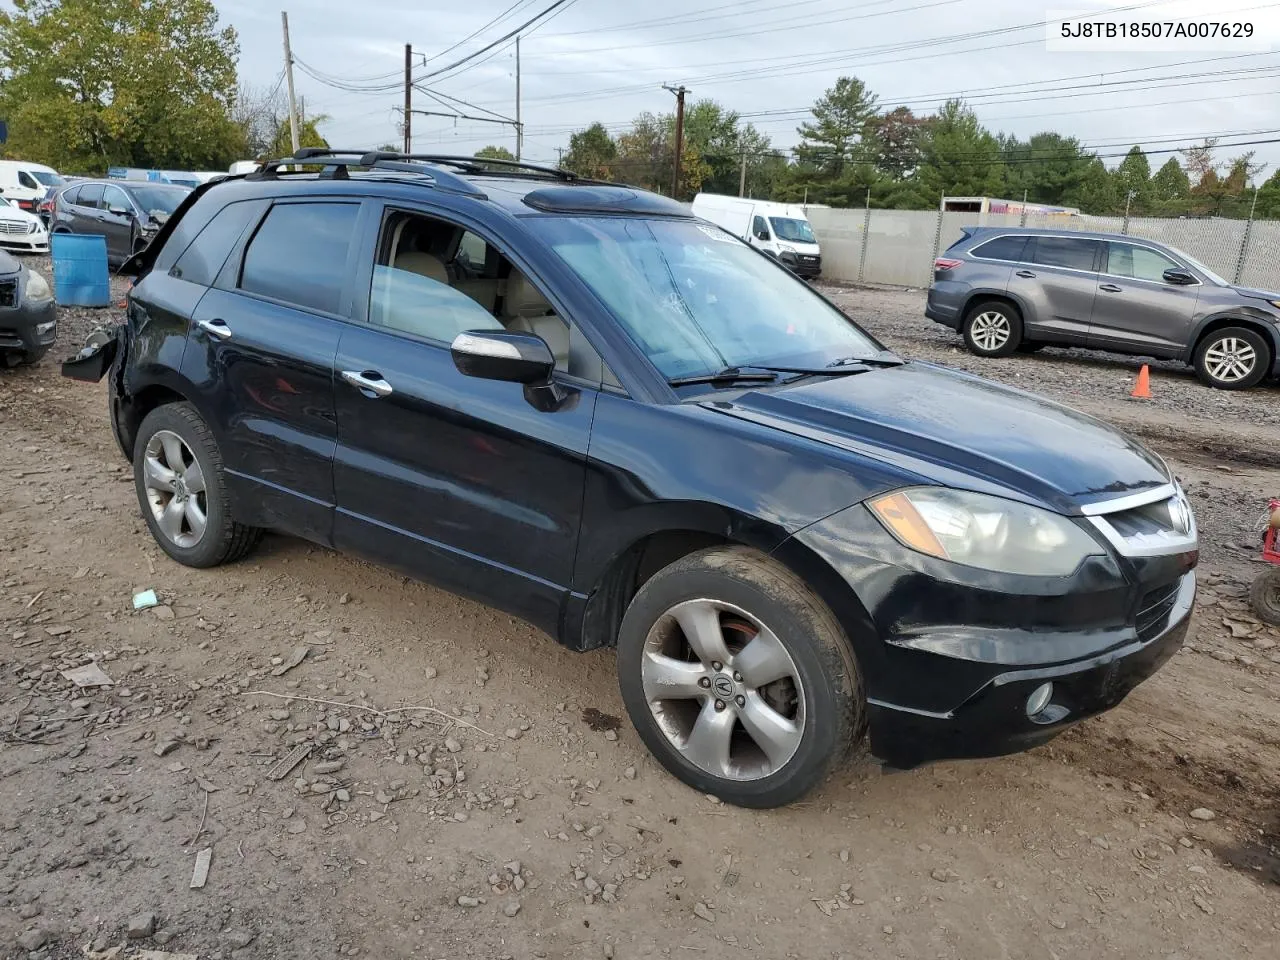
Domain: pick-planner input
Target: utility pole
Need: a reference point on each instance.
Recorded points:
(408, 97)
(519, 125)
(288, 72)
(675, 175)
(742, 175)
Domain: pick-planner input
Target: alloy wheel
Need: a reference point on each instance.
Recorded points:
(1230, 360)
(175, 488)
(990, 330)
(723, 690)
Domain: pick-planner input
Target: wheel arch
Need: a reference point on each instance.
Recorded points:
(1221, 321)
(985, 295)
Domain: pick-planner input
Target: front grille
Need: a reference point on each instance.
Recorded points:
(1153, 610)
(1163, 524)
(8, 293)
(14, 226)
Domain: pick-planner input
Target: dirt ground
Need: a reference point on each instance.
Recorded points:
(469, 792)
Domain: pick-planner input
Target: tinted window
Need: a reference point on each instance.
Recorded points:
(114, 197)
(1064, 252)
(299, 254)
(202, 260)
(90, 195)
(27, 180)
(159, 200)
(1140, 263)
(1001, 248)
(760, 228)
(68, 195)
(472, 251)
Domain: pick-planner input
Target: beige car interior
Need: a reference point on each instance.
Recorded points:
(430, 249)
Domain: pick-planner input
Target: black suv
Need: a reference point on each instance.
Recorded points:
(128, 213)
(579, 403)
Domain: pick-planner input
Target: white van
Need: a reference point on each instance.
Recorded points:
(25, 184)
(778, 229)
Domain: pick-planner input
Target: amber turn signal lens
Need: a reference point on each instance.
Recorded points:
(898, 513)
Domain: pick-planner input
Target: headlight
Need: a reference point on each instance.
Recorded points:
(37, 287)
(786, 248)
(983, 531)
(1274, 303)
(33, 226)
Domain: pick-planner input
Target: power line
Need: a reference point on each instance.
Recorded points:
(471, 56)
(475, 33)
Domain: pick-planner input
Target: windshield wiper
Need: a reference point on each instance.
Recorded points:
(729, 375)
(884, 359)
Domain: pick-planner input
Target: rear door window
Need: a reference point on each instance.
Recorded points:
(300, 255)
(1001, 248)
(90, 196)
(69, 195)
(201, 261)
(1069, 252)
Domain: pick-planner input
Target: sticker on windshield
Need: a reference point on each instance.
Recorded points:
(715, 234)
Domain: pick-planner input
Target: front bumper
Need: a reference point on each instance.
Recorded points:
(28, 328)
(25, 242)
(803, 265)
(994, 722)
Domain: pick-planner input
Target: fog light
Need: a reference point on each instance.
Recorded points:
(1039, 699)
(45, 329)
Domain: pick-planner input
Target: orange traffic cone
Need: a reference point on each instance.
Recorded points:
(1142, 389)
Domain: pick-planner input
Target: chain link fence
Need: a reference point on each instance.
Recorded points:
(898, 247)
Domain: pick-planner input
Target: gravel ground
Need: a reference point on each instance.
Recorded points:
(468, 789)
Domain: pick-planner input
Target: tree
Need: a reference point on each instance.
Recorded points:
(592, 153)
(94, 83)
(643, 157)
(494, 153)
(1097, 191)
(1046, 168)
(840, 117)
(893, 142)
(1268, 206)
(1199, 160)
(308, 134)
(959, 157)
(1170, 187)
(1133, 178)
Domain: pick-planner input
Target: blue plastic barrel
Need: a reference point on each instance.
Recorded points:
(80, 274)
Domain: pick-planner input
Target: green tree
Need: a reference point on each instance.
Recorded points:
(1170, 187)
(1133, 178)
(1047, 167)
(959, 157)
(308, 134)
(1097, 192)
(840, 117)
(494, 153)
(592, 153)
(94, 83)
(1269, 198)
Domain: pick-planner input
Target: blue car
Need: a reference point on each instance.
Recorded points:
(578, 403)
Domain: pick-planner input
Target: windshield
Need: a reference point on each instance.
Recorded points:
(697, 300)
(795, 231)
(48, 179)
(1193, 262)
(162, 200)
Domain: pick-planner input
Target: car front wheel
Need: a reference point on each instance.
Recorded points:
(739, 679)
(182, 489)
(1232, 358)
(992, 329)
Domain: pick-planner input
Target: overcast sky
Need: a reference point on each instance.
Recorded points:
(767, 59)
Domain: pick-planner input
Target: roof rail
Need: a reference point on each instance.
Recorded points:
(336, 162)
(477, 164)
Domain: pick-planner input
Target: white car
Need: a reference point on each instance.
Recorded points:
(21, 231)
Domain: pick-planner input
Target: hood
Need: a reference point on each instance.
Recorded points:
(962, 431)
(10, 212)
(1257, 294)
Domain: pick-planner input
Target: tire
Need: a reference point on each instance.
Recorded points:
(992, 328)
(1264, 596)
(1232, 358)
(20, 359)
(750, 600)
(221, 539)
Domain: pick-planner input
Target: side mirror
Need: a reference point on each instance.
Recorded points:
(503, 355)
(1179, 277)
(118, 211)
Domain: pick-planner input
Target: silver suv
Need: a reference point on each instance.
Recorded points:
(1006, 289)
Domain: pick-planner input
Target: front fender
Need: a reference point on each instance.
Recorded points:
(1258, 320)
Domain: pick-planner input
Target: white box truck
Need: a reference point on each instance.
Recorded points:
(778, 229)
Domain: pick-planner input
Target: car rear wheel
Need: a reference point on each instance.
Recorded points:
(738, 678)
(992, 329)
(1232, 358)
(182, 489)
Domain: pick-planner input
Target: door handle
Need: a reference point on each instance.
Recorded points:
(1110, 288)
(217, 329)
(1024, 273)
(368, 380)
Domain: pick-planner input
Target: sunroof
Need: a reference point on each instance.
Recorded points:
(602, 199)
